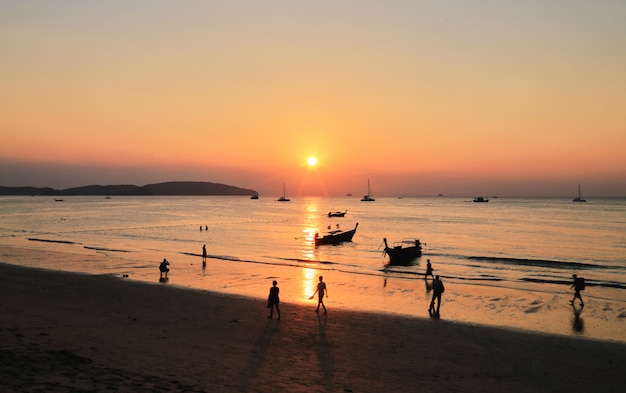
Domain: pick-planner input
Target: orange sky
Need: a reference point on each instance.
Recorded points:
(462, 98)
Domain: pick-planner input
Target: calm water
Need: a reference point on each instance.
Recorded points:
(530, 244)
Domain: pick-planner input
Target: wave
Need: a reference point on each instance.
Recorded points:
(589, 283)
(51, 241)
(104, 249)
(542, 263)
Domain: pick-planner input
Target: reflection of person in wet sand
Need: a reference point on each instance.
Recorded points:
(321, 290)
(438, 289)
(578, 285)
(204, 255)
(163, 267)
(273, 301)
(578, 324)
(429, 270)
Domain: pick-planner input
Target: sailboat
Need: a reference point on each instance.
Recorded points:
(283, 198)
(579, 198)
(368, 197)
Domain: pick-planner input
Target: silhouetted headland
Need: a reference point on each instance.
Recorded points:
(167, 188)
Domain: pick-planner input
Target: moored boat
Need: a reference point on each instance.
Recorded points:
(368, 197)
(481, 199)
(579, 198)
(284, 197)
(403, 253)
(335, 237)
(337, 214)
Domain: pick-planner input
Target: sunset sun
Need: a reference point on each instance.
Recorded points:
(312, 161)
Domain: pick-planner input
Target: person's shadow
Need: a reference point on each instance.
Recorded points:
(578, 324)
(325, 355)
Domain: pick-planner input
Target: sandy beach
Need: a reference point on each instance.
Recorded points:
(68, 332)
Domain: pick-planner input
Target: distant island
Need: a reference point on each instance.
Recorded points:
(167, 188)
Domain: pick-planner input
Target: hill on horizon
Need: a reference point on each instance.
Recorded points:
(166, 188)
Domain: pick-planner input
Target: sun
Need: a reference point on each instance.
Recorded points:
(312, 161)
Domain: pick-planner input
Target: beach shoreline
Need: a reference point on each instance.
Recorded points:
(533, 308)
(79, 332)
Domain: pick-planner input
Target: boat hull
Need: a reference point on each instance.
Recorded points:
(336, 238)
(404, 254)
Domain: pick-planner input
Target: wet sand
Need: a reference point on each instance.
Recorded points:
(68, 332)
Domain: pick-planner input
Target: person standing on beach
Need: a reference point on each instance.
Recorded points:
(438, 289)
(429, 270)
(321, 291)
(273, 300)
(204, 256)
(578, 285)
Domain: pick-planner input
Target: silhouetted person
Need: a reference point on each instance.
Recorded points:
(200, 228)
(204, 255)
(163, 267)
(321, 290)
(429, 270)
(273, 300)
(438, 289)
(206, 227)
(578, 285)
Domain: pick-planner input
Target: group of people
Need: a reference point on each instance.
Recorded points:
(273, 300)
(164, 266)
(436, 286)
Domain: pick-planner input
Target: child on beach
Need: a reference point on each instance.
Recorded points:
(273, 301)
(321, 290)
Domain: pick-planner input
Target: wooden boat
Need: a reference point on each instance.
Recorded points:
(337, 214)
(403, 253)
(284, 197)
(579, 198)
(368, 197)
(481, 199)
(254, 197)
(335, 237)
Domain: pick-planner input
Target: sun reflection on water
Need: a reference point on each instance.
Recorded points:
(308, 282)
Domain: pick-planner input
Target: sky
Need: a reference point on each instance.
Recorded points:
(460, 98)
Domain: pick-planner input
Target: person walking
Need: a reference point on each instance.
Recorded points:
(204, 255)
(578, 285)
(273, 300)
(321, 290)
(429, 270)
(438, 289)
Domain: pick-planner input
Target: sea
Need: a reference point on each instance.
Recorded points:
(508, 262)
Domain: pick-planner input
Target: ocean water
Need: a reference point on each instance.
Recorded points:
(528, 247)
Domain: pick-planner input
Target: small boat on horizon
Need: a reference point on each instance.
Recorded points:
(579, 198)
(335, 237)
(480, 199)
(403, 253)
(368, 197)
(337, 214)
(284, 197)
(255, 196)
